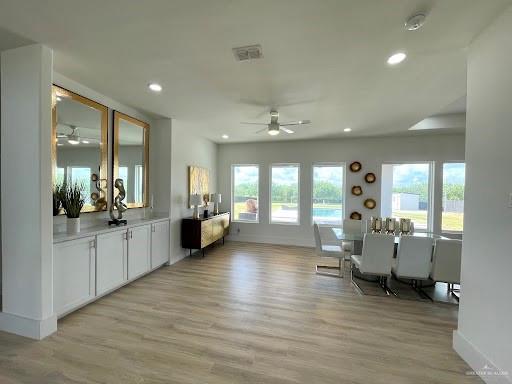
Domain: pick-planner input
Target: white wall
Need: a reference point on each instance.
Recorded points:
(371, 152)
(484, 334)
(187, 150)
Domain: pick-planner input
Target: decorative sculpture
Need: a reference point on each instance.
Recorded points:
(98, 198)
(118, 204)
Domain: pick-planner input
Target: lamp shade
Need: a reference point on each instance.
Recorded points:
(196, 199)
(216, 198)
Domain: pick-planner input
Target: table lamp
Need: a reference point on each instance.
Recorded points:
(196, 201)
(216, 198)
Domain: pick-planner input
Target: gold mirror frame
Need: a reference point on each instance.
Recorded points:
(145, 126)
(59, 91)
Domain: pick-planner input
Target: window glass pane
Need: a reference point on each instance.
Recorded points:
(82, 176)
(454, 177)
(59, 176)
(245, 192)
(405, 193)
(139, 182)
(284, 194)
(328, 194)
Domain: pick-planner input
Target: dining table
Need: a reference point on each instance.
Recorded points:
(342, 236)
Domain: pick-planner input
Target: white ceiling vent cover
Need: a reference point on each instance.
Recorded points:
(249, 52)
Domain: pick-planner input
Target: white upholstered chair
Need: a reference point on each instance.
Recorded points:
(413, 260)
(353, 227)
(375, 259)
(333, 251)
(447, 262)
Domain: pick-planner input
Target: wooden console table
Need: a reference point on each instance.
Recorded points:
(200, 233)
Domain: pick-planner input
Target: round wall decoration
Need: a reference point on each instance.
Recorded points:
(370, 203)
(357, 190)
(355, 166)
(355, 216)
(370, 178)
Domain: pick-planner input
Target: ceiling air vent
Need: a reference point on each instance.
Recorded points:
(249, 52)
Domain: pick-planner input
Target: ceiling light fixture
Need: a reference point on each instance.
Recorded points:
(225, 136)
(155, 87)
(273, 132)
(347, 130)
(85, 141)
(415, 22)
(396, 58)
(73, 142)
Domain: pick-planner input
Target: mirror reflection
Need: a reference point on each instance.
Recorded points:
(80, 145)
(131, 158)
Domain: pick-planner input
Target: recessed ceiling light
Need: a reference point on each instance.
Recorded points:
(225, 136)
(85, 141)
(59, 98)
(155, 87)
(396, 58)
(273, 132)
(347, 130)
(59, 144)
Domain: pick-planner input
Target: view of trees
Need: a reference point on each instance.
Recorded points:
(328, 192)
(453, 191)
(323, 191)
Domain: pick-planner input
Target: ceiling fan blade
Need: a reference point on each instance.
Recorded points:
(244, 122)
(262, 130)
(300, 122)
(286, 130)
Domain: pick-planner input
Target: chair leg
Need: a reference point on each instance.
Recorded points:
(358, 288)
(421, 292)
(339, 268)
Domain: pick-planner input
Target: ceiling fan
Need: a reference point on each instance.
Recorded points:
(74, 137)
(275, 127)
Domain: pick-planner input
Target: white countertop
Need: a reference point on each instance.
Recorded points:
(59, 237)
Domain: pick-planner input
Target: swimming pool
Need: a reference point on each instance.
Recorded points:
(328, 212)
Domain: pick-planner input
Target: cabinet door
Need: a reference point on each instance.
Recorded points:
(138, 250)
(159, 244)
(111, 261)
(73, 274)
(217, 228)
(225, 224)
(206, 233)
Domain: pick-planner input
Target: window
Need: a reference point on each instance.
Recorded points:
(327, 197)
(139, 183)
(406, 193)
(81, 176)
(284, 193)
(454, 177)
(59, 176)
(245, 192)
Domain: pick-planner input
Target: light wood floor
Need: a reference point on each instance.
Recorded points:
(244, 314)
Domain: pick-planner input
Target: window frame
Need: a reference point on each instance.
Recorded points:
(282, 165)
(233, 220)
(341, 164)
(450, 232)
(431, 191)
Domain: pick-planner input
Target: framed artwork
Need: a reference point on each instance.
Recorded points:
(198, 182)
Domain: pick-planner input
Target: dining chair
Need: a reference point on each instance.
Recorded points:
(375, 259)
(413, 260)
(332, 251)
(352, 227)
(446, 263)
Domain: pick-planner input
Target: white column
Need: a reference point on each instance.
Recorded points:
(27, 229)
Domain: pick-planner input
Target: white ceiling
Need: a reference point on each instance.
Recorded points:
(324, 60)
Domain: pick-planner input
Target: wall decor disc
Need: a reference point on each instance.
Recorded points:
(370, 203)
(357, 190)
(370, 178)
(355, 166)
(355, 216)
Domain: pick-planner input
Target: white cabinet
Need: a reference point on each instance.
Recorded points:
(138, 250)
(73, 274)
(159, 244)
(111, 261)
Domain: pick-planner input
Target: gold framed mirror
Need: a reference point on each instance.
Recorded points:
(79, 146)
(131, 158)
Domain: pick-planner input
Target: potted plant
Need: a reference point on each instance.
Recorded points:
(72, 201)
(56, 192)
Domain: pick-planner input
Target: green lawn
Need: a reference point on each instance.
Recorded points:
(451, 221)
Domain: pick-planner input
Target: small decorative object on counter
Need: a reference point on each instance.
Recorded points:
(405, 226)
(216, 198)
(205, 214)
(118, 205)
(370, 178)
(195, 201)
(390, 225)
(355, 215)
(376, 224)
(98, 198)
(370, 203)
(71, 196)
(355, 166)
(357, 190)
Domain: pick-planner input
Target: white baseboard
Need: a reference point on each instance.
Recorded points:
(478, 362)
(278, 240)
(34, 329)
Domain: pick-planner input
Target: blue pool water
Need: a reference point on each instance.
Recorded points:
(327, 212)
